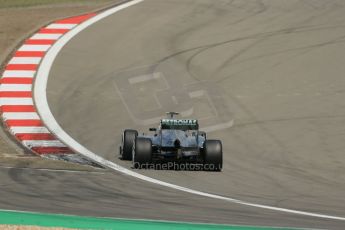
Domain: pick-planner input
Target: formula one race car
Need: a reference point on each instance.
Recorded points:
(175, 140)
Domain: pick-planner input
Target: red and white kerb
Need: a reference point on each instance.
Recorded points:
(16, 100)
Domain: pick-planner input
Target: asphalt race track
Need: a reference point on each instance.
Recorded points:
(266, 77)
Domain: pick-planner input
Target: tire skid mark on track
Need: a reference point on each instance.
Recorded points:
(40, 97)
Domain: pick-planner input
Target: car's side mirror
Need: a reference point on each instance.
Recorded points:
(153, 129)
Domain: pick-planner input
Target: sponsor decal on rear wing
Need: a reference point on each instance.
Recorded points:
(181, 124)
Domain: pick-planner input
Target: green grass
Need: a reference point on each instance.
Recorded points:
(79, 222)
(27, 3)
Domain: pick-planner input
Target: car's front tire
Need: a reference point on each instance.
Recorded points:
(142, 152)
(128, 138)
(213, 155)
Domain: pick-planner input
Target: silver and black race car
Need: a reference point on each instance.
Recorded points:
(175, 140)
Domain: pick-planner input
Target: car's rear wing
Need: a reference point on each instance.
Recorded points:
(171, 115)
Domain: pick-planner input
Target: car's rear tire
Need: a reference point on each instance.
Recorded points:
(142, 152)
(128, 138)
(213, 155)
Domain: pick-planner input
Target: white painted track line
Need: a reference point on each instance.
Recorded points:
(15, 87)
(19, 73)
(25, 60)
(61, 26)
(48, 118)
(16, 101)
(143, 78)
(198, 93)
(28, 129)
(45, 36)
(20, 116)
